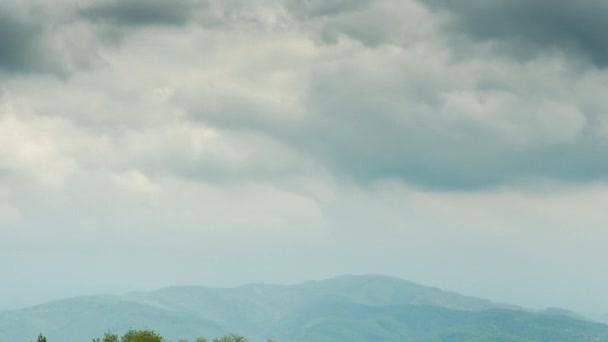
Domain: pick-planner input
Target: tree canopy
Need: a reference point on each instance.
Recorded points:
(147, 335)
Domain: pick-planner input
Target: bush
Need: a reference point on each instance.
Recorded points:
(230, 338)
(141, 336)
(107, 337)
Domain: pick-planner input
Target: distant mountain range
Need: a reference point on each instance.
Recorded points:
(347, 308)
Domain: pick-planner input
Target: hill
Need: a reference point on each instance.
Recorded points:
(348, 308)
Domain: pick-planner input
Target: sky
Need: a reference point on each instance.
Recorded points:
(458, 144)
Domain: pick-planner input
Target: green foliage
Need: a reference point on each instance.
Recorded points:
(230, 338)
(107, 337)
(202, 339)
(41, 338)
(141, 336)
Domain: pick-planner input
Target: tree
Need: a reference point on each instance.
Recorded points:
(107, 337)
(230, 338)
(41, 338)
(202, 339)
(141, 336)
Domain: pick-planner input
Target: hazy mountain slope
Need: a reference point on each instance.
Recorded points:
(277, 300)
(329, 322)
(351, 308)
(80, 319)
(256, 309)
(383, 290)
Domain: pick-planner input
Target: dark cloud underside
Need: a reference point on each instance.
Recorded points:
(373, 148)
(20, 45)
(142, 12)
(321, 8)
(373, 131)
(529, 27)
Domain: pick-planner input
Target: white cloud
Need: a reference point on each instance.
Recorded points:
(28, 147)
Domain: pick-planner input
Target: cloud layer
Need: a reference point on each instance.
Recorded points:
(309, 138)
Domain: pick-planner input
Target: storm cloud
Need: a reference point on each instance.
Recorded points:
(22, 44)
(401, 108)
(141, 12)
(529, 28)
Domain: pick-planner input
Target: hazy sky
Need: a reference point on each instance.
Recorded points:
(460, 144)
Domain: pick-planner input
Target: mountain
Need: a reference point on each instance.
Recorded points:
(334, 322)
(348, 308)
(603, 318)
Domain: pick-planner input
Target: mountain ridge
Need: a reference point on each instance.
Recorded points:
(379, 307)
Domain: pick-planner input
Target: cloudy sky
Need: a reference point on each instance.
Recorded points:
(459, 144)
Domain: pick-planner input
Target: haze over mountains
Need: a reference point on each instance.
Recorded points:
(347, 308)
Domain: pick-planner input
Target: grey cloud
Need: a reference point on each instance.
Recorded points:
(22, 47)
(322, 8)
(372, 146)
(367, 142)
(359, 138)
(531, 27)
(395, 121)
(142, 12)
(371, 28)
(383, 113)
(372, 23)
(401, 133)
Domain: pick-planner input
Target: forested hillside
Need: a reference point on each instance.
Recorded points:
(350, 308)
